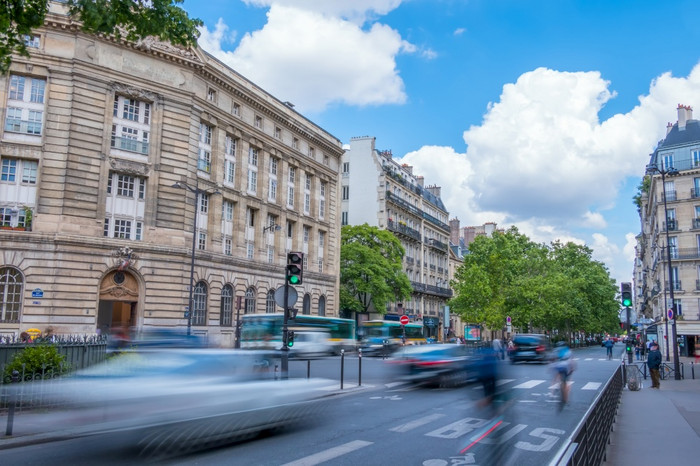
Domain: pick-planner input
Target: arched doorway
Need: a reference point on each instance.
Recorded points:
(119, 295)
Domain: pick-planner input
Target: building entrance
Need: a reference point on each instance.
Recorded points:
(118, 307)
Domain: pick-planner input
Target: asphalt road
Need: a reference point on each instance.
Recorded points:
(388, 423)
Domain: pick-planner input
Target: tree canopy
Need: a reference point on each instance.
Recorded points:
(371, 272)
(132, 19)
(555, 287)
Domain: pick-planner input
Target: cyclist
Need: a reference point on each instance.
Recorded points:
(563, 367)
(609, 343)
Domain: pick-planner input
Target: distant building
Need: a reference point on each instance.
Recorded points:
(377, 190)
(678, 156)
(99, 137)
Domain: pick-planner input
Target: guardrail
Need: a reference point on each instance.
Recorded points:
(588, 442)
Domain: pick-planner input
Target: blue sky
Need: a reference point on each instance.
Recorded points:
(534, 113)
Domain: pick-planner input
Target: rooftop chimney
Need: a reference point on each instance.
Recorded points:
(669, 127)
(454, 231)
(419, 180)
(685, 113)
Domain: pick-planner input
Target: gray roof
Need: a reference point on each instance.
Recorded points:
(678, 138)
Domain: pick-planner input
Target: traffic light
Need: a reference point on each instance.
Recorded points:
(290, 338)
(629, 346)
(626, 291)
(295, 268)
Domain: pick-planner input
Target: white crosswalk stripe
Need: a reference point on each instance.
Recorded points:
(529, 384)
(416, 423)
(592, 386)
(498, 383)
(555, 385)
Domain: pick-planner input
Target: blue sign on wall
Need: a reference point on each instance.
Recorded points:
(37, 293)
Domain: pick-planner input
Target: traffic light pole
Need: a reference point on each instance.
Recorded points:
(285, 329)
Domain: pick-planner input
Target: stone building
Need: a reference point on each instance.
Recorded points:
(100, 137)
(667, 265)
(377, 190)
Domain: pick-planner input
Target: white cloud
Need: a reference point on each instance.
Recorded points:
(336, 60)
(594, 220)
(357, 11)
(459, 31)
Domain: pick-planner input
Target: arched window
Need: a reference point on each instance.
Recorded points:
(270, 302)
(322, 306)
(306, 309)
(11, 290)
(250, 301)
(199, 316)
(226, 318)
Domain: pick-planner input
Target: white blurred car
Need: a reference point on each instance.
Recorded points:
(178, 401)
(311, 344)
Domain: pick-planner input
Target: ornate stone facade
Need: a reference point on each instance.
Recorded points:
(98, 137)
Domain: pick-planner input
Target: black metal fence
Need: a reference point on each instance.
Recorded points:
(79, 352)
(587, 444)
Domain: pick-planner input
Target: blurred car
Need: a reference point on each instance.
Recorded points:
(437, 364)
(175, 401)
(531, 347)
(311, 344)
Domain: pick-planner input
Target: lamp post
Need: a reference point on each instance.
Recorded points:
(654, 169)
(197, 192)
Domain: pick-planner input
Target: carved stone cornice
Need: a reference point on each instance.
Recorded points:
(130, 167)
(135, 93)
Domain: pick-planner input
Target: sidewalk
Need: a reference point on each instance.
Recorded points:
(658, 427)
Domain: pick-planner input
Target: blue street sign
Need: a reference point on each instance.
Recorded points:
(37, 293)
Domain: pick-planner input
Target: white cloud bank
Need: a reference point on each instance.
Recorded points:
(540, 160)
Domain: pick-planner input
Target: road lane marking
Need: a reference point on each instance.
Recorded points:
(588, 359)
(498, 384)
(417, 423)
(556, 385)
(331, 453)
(591, 386)
(529, 384)
(394, 384)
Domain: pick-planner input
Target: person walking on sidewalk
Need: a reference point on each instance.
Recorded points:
(654, 363)
(609, 343)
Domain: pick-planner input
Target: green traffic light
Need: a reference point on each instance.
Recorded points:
(627, 302)
(293, 280)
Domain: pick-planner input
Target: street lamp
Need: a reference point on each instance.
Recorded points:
(274, 227)
(197, 192)
(670, 171)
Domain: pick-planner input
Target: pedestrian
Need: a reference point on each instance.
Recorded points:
(637, 349)
(497, 348)
(654, 363)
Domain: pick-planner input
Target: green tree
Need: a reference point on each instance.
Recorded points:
(131, 19)
(371, 272)
(556, 287)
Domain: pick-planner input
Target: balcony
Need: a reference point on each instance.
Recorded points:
(436, 222)
(436, 244)
(409, 260)
(672, 225)
(670, 195)
(14, 125)
(676, 285)
(130, 145)
(403, 229)
(403, 204)
(431, 290)
(682, 253)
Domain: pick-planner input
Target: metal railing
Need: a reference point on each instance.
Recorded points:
(14, 125)
(130, 145)
(588, 442)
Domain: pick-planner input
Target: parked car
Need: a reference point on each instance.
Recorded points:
(166, 402)
(531, 347)
(437, 364)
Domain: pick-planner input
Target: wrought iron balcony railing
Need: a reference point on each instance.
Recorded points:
(130, 145)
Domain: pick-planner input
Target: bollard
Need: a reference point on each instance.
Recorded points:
(12, 404)
(359, 363)
(308, 368)
(342, 367)
(276, 367)
(692, 370)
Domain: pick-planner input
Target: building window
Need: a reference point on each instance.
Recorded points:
(258, 122)
(295, 143)
(250, 301)
(250, 250)
(320, 265)
(125, 206)
(131, 125)
(343, 218)
(278, 132)
(252, 187)
(204, 161)
(322, 201)
(32, 41)
(306, 307)
(272, 181)
(11, 294)
(307, 194)
(228, 246)
(346, 193)
(211, 95)
(199, 298)
(346, 168)
(270, 302)
(236, 110)
(322, 306)
(307, 233)
(226, 318)
(202, 241)
(312, 152)
(270, 254)
(230, 160)
(290, 187)
(25, 105)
